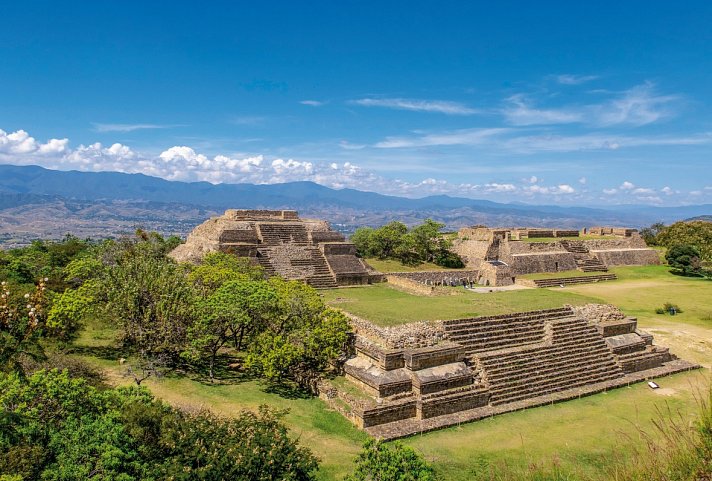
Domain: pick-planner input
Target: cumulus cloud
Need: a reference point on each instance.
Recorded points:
(22, 144)
(418, 105)
(626, 185)
(495, 187)
(552, 190)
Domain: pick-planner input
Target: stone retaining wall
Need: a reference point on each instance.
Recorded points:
(412, 335)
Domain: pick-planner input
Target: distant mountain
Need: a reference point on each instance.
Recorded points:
(29, 194)
(706, 218)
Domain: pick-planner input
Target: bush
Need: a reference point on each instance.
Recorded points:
(667, 308)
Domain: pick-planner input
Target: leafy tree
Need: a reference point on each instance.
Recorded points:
(22, 319)
(217, 268)
(387, 239)
(696, 233)
(362, 238)
(422, 243)
(58, 428)
(685, 259)
(650, 234)
(151, 299)
(303, 351)
(69, 308)
(381, 461)
(254, 446)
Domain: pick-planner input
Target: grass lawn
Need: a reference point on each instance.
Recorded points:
(584, 437)
(390, 265)
(557, 275)
(387, 306)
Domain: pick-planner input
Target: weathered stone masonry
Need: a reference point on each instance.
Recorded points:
(419, 377)
(284, 244)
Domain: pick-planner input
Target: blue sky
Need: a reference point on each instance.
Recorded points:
(539, 102)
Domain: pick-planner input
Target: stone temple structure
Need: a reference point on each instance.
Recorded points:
(502, 254)
(423, 376)
(284, 244)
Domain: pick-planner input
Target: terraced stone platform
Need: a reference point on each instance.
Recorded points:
(283, 244)
(483, 366)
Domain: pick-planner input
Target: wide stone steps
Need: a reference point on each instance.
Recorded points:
(568, 281)
(577, 355)
(497, 371)
(563, 384)
(478, 322)
(276, 234)
(544, 367)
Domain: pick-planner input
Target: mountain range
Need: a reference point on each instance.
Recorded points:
(35, 201)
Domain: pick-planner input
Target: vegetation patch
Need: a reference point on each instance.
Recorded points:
(386, 306)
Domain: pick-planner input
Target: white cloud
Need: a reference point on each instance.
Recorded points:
(509, 139)
(520, 113)
(570, 79)
(610, 191)
(495, 187)
(533, 179)
(99, 127)
(637, 106)
(418, 105)
(651, 199)
(457, 137)
(627, 186)
(554, 190)
(21, 144)
(312, 103)
(582, 181)
(667, 190)
(644, 191)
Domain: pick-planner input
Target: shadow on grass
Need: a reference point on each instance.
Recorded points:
(288, 390)
(110, 353)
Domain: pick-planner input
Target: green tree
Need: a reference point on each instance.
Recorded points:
(22, 320)
(685, 259)
(362, 239)
(697, 234)
(387, 239)
(381, 461)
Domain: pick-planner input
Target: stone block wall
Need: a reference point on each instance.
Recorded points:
(629, 257)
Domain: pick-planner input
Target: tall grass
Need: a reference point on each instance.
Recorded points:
(676, 448)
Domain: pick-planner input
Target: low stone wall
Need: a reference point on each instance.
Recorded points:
(388, 413)
(628, 257)
(410, 286)
(414, 334)
(543, 262)
(438, 277)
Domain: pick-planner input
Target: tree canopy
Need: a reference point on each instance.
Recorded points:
(422, 243)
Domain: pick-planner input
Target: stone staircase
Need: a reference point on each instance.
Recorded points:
(574, 355)
(569, 281)
(585, 261)
(490, 333)
(310, 267)
(282, 233)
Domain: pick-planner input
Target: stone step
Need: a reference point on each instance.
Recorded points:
(546, 368)
(560, 385)
(499, 371)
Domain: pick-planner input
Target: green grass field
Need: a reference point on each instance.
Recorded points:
(583, 437)
(557, 275)
(386, 306)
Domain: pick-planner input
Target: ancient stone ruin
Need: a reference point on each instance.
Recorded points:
(428, 375)
(500, 255)
(282, 243)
